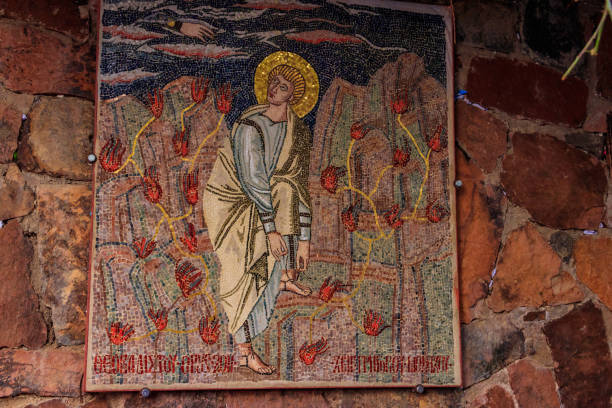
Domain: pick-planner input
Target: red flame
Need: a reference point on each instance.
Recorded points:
(190, 240)
(308, 352)
(159, 317)
(373, 323)
(399, 105)
(224, 97)
(349, 220)
(188, 278)
(401, 157)
(156, 102)
(180, 141)
(199, 89)
(143, 248)
(209, 329)
(150, 184)
(119, 333)
(111, 155)
(190, 187)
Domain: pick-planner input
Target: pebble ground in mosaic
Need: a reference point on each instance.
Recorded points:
(380, 184)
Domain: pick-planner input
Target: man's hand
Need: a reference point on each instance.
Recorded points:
(303, 255)
(200, 31)
(277, 245)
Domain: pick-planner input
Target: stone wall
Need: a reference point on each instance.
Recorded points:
(535, 212)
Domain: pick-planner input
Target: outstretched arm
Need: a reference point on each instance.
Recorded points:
(195, 30)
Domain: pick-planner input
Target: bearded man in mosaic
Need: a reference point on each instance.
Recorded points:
(257, 205)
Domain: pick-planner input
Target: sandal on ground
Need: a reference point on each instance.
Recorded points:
(291, 285)
(252, 361)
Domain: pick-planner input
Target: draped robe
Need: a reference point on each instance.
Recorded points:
(234, 224)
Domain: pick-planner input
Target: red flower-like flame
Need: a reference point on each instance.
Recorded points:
(224, 96)
(159, 317)
(143, 248)
(111, 155)
(373, 323)
(434, 143)
(401, 157)
(308, 352)
(327, 289)
(119, 333)
(156, 103)
(199, 89)
(329, 178)
(180, 141)
(349, 219)
(399, 105)
(190, 240)
(151, 186)
(359, 130)
(435, 213)
(209, 329)
(188, 278)
(392, 219)
(190, 187)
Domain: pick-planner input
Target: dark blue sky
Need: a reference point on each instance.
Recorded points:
(384, 33)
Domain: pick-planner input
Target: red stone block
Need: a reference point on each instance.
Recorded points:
(58, 138)
(529, 274)
(21, 322)
(527, 89)
(46, 372)
(583, 367)
(593, 257)
(533, 386)
(38, 61)
(561, 187)
(496, 397)
(64, 255)
(483, 136)
(604, 62)
(12, 107)
(489, 346)
(54, 403)
(480, 224)
(58, 15)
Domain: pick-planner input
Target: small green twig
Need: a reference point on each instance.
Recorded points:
(607, 11)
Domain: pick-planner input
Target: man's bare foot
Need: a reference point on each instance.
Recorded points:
(293, 286)
(251, 360)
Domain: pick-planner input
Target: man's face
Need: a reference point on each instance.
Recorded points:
(279, 90)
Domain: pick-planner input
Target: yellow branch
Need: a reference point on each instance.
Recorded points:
(144, 336)
(193, 161)
(399, 119)
(350, 312)
(390, 166)
(134, 144)
(159, 223)
(348, 163)
(182, 115)
(152, 332)
(182, 217)
(136, 167)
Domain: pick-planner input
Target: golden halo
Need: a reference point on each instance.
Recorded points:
(311, 94)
